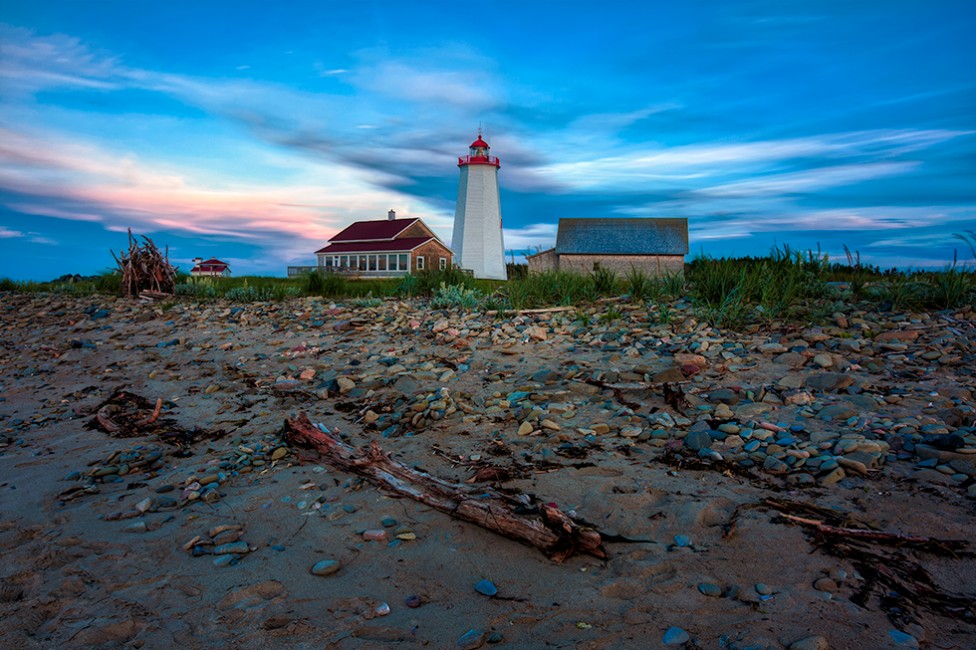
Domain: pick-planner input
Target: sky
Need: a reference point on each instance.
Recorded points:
(254, 131)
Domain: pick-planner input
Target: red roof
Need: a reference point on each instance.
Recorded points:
(213, 264)
(369, 230)
(480, 143)
(395, 245)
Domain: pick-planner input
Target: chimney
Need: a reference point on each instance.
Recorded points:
(391, 215)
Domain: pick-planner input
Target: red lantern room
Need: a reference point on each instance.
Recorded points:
(478, 154)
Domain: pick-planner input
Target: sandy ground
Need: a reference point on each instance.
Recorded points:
(93, 526)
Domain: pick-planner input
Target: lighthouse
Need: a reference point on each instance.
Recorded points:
(477, 237)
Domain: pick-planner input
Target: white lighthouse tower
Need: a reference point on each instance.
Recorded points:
(477, 237)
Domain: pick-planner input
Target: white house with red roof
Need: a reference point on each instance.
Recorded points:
(212, 268)
(383, 248)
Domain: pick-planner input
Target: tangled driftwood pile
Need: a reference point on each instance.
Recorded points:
(145, 268)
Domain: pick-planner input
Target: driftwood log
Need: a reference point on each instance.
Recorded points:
(542, 526)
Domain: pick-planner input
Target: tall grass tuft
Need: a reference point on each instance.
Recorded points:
(640, 286)
(604, 280)
(952, 287)
(328, 285)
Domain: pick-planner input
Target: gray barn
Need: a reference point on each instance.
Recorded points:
(655, 246)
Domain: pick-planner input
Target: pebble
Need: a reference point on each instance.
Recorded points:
(412, 601)
(237, 548)
(710, 589)
(472, 639)
(486, 588)
(325, 567)
(901, 639)
(825, 584)
(811, 643)
(682, 540)
(675, 636)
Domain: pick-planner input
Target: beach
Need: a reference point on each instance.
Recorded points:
(700, 455)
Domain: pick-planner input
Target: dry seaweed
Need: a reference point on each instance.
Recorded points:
(128, 415)
(903, 587)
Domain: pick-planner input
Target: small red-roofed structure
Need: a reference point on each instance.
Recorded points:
(212, 268)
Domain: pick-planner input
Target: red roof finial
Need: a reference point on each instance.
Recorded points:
(479, 143)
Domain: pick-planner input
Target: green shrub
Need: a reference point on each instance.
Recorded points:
(455, 296)
(367, 301)
(110, 283)
(201, 291)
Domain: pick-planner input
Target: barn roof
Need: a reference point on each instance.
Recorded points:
(622, 236)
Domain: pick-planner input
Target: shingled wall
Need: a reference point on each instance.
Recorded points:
(652, 265)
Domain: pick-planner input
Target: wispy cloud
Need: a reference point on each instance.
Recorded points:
(530, 237)
(810, 180)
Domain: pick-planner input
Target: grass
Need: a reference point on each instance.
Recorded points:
(729, 292)
(725, 292)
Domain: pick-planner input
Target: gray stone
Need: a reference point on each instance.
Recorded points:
(749, 411)
(829, 381)
(774, 465)
(670, 375)
(723, 396)
(840, 411)
(791, 359)
(238, 548)
(697, 440)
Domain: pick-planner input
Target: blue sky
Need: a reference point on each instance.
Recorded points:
(253, 131)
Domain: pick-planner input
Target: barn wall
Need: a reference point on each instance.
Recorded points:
(542, 262)
(621, 264)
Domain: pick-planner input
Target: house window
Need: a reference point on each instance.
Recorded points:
(343, 261)
(381, 262)
(362, 262)
(392, 262)
(404, 262)
(443, 264)
(372, 262)
(420, 263)
(328, 262)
